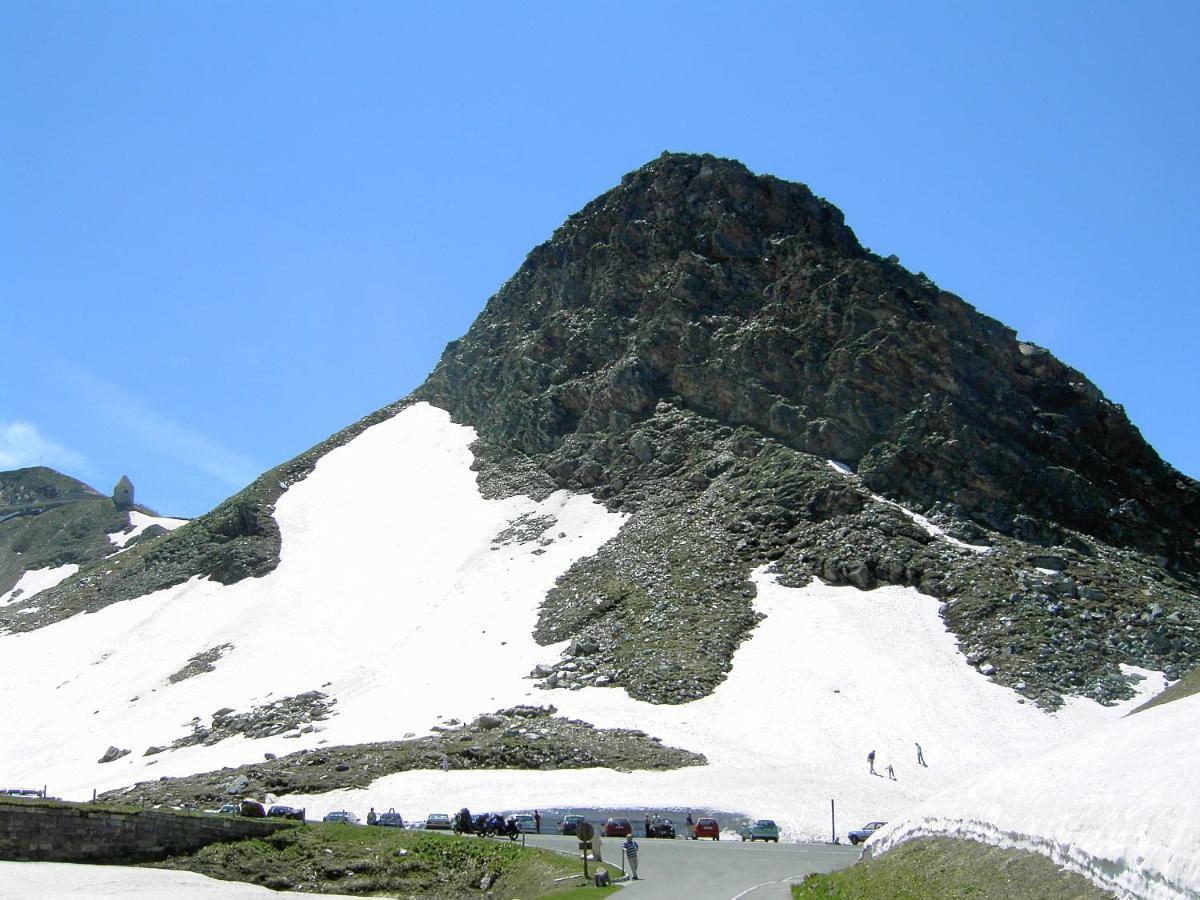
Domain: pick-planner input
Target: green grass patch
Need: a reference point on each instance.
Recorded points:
(948, 869)
(365, 861)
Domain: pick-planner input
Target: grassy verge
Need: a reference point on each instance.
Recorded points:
(363, 861)
(947, 868)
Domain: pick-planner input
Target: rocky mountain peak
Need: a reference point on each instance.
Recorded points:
(747, 300)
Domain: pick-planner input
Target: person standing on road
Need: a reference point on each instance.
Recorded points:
(691, 824)
(372, 818)
(871, 761)
(647, 824)
(631, 853)
(921, 757)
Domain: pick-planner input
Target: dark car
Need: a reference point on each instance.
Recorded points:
(617, 828)
(706, 828)
(438, 822)
(341, 815)
(570, 824)
(285, 812)
(391, 819)
(661, 828)
(861, 834)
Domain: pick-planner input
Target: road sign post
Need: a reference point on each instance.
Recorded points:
(585, 833)
(833, 820)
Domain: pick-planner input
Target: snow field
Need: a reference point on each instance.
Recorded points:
(830, 674)
(1120, 805)
(50, 881)
(390, 578)
(37, 580)
(140, 522)
(387, 581)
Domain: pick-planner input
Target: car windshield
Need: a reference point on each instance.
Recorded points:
(765, 823)
(708, 821)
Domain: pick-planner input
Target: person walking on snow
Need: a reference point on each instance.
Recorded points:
(891, 772)
(631, 853)
(871, 762)
(920, 756)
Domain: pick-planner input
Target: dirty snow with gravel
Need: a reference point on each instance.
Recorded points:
(37, 580)
(1120, 805)
(390, 576)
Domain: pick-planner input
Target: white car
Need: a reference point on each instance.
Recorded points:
(525, 823)
(342, 815)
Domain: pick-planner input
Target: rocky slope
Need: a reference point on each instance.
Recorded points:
(48, 520)
(698, 347)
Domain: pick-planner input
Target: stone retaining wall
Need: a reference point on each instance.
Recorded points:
(64, 832)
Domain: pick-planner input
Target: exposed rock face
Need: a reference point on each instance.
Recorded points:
(693, 348)
(747, 300)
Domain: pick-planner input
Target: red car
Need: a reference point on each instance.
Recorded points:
(617, 828)
(706, 828)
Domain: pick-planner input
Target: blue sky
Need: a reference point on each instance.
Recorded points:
(229, 229)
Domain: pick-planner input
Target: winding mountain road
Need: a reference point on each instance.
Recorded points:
(715, 870)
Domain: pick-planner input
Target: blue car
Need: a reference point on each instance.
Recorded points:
(865, 832)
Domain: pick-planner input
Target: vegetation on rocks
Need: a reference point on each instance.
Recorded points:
(348, 859)
(948, 869)
(523, 737)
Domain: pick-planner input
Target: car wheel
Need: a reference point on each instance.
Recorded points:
(854, 840)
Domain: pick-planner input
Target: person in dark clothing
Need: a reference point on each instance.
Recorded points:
(647, 824)
(690, 827)
(921, 757)
(372, 818)
(871, 761)
(537, 821)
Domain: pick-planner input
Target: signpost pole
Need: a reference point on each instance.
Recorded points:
(833, 820)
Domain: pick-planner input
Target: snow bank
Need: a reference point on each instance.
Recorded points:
(830, 674)
(37, 580)
(1120, 806)
(140, 522)
(21, 880)
(389, 575)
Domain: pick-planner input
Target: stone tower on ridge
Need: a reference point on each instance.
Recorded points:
(122, 494)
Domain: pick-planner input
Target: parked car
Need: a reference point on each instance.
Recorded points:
(865, 832)
(279, 811)
(252, 809)
(617, 828)
(342, 815)
(762, 830)
(570, 824)
(661, 828)
(229, 809)
(391, 819)
(438, 822)
(525, 823)
(706, 828)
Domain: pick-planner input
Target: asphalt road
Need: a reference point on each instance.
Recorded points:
(714, 870)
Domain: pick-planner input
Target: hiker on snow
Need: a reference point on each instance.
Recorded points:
(921, 757)
(871, 761)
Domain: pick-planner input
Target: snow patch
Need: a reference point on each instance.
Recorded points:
(1119, 806)
(139, 522)
(387, 577)
(21, 880)
(830, 674)
(929, 528)
(840, 467)
(37, 580)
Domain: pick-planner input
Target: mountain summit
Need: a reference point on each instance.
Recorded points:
(713, 354)
(747, 300)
